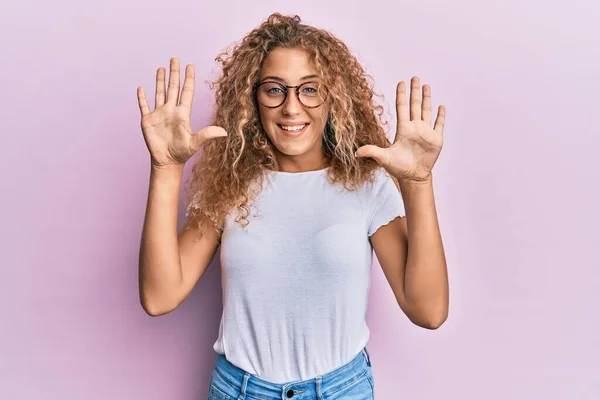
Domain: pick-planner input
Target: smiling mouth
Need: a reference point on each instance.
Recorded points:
(293, 128)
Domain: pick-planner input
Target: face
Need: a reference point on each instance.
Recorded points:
(294, 129)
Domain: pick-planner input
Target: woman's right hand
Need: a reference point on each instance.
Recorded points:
(167, 129)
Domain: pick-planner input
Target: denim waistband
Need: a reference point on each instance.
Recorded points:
(252, 385)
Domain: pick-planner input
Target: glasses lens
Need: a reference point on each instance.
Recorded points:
(311, 94)
(271, 94)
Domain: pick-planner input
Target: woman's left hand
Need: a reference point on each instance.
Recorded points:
(417, 145)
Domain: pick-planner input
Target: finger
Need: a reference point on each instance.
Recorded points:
(401, 110)
(187, 93)
(206, 133)
(174, 82)
(440, 120)
(426, 108)
(142, 102)
(415, 98)
(159, 97)
(377, 153)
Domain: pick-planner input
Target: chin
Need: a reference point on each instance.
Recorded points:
(293, 151)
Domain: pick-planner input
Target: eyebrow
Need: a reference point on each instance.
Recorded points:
(276, 78)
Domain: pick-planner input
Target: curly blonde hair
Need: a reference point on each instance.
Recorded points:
(223, 177)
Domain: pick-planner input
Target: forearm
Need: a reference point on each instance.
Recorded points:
(425, 277)
(159, 261)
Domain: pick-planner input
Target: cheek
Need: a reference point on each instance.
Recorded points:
(319, 118)
(267, 117)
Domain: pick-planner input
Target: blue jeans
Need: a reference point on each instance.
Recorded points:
(352, 381)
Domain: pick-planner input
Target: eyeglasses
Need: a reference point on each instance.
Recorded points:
(273, 94)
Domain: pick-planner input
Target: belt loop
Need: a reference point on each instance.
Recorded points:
(244, 385)
(319, 387)
(367, 355)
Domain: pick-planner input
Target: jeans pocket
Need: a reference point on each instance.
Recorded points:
(372, 382)
(360, 389)
(215, 394)
(219, 388)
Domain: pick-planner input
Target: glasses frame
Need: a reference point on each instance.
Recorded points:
(286, 87)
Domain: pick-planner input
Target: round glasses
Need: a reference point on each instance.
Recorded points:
(273, 94)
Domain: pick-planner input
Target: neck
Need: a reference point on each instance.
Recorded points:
(302, 163)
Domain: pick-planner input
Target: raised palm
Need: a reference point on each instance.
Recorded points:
(167, 128)
(417, 145)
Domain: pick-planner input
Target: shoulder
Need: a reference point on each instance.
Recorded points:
(382, 181)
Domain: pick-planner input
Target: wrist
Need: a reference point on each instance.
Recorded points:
(411, 184)
(166, 167)
(166, 172)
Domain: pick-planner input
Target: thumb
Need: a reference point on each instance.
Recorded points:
(206, 133)
(376, 153)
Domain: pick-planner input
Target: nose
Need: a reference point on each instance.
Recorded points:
(291, 105)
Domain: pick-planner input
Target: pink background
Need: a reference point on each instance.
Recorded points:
(515, 187)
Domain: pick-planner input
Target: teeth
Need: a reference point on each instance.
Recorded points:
(293, 128)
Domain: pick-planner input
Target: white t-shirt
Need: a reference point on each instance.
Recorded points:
(296, 280)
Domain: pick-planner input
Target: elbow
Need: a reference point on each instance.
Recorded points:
(153, 307)
(158, 299)
(154, 311)
(429, 318)
(434, 322)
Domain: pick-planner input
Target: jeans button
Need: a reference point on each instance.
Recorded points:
(290, 393)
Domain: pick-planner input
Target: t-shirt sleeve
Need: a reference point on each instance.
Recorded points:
(386, 202)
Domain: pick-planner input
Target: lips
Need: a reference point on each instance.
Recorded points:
(293, 129)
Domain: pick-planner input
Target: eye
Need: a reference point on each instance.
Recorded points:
(272, 89)
(310, 90)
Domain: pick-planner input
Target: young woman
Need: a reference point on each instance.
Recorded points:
(298, 184)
